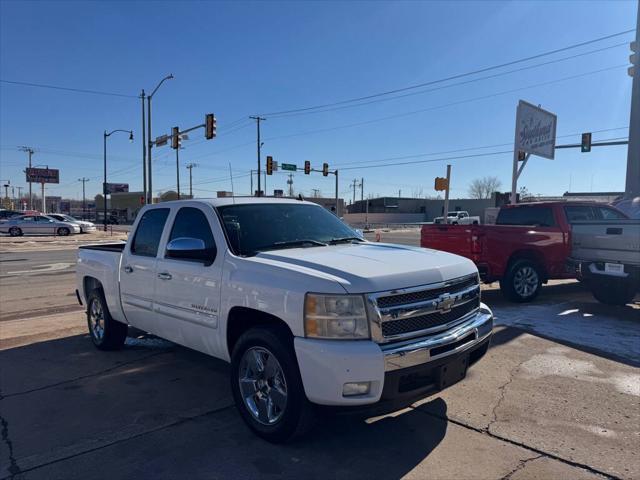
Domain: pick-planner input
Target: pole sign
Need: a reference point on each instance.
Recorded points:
(43, 175)
(535, 130)
(289, 166)
(116, 188)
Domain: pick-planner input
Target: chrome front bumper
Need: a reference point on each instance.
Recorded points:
(466, 335)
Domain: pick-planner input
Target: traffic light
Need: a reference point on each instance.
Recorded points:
(441, 184)
(175, 138)
(325, 169)
(307, 167)
(210, 126)
(585, 146)
(269, 164)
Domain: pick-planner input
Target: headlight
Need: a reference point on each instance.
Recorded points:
(335, 316)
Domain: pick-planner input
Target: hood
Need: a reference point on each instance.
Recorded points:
(373, 267)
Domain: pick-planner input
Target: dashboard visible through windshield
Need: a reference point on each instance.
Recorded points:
(252, 228)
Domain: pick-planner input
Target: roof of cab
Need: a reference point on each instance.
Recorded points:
(223, 201)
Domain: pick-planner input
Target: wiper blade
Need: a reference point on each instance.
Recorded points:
(333, 241)
(292, 243)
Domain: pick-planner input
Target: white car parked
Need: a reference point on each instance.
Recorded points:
(459, 217)
(42, 224)
(307, 312)
(84, 225)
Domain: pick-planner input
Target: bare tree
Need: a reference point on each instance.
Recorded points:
(484, 187)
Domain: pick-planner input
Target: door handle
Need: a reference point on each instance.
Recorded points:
(128, 269)
(164, 276)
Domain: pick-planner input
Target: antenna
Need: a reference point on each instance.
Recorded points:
(233, 195)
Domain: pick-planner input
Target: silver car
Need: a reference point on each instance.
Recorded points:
(42, 224)
(84, 226)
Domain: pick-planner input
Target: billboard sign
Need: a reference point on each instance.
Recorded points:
(116, 188)
(43, 175)
(535, 130)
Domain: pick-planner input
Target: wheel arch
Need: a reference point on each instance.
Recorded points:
(89, 284)
(241, 319)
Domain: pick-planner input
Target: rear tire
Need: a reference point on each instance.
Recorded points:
(15, 232)
(63, 231)
(613, 292)
(522, 282)
(270, 400)
(105, 332)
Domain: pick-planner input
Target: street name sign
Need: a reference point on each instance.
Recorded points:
(289, 166)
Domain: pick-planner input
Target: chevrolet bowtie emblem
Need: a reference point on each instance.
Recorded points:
(444, 303)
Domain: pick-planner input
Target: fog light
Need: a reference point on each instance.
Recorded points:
(356, 388)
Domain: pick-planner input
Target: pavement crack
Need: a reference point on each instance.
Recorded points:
(541, 453)
(502, 389)
(521, 464)
(89, 375)
(14, 469)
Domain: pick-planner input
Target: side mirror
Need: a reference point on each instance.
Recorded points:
(186, 248)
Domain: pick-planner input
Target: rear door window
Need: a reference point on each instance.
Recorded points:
(147, 236)
(579, 213)
(539, 215)
(610, 214)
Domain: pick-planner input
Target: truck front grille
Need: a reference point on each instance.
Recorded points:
(423, 310)
(427, 321)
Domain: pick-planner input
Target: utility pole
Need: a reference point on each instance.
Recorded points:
(30, 151)
(290, 183)
(354, 186)
(144, 151)
(258, 119)
(84, 198)
(20, 197)
(190, 167)
(315, 192)
(632, 186)
(337, 204)
(446, 195)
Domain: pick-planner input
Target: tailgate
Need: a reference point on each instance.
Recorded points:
(614, 241)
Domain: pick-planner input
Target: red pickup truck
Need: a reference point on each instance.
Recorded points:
(528, 245)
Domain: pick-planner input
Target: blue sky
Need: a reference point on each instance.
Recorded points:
(242, 58)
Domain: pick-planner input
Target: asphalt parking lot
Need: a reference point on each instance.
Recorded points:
(557, 396)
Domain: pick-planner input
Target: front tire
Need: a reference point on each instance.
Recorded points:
(267, 387)
(63, 231)
(522, 282)
(105, 332)
(15, 232)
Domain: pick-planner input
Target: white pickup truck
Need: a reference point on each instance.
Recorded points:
(308, 313)
(458, 217)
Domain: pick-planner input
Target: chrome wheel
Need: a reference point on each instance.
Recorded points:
(526, 281)
(96, 320)
(262, 385)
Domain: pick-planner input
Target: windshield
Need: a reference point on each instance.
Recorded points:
(257, 227)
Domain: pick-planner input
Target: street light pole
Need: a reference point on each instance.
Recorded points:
(84, 198)
(104, 184)
(258, 119)
(144, 150)
(149, 141)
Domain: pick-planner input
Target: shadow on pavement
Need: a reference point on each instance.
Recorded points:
(164, 411)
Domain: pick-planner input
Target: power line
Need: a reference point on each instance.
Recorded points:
(436, 107)
(454, 77)
(69, 89)
(467, 149)
(466, 82)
